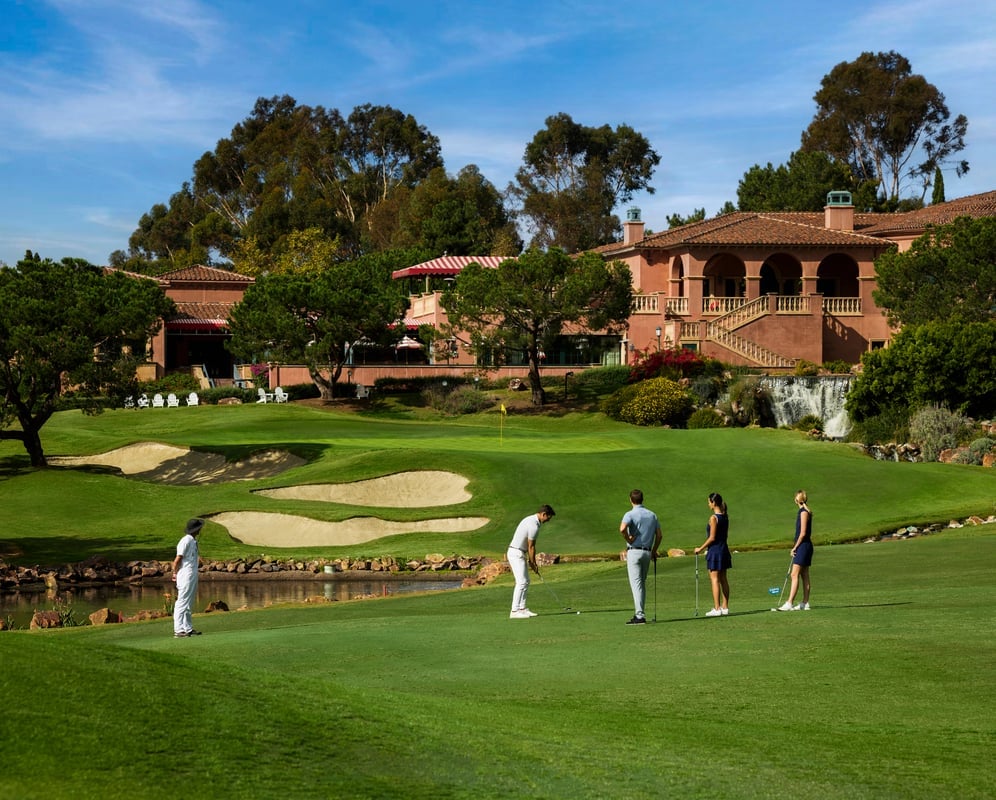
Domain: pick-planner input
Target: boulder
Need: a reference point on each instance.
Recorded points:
(105, 616)
(45, 619)
(216, 605)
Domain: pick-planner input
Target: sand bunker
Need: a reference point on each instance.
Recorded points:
(416, 489)
(286, 530)
(182, 466)
(164, 463)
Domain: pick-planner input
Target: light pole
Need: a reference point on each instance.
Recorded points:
(658, 332)
(566, 376)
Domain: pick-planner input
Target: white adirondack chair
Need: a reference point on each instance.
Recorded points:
(362, 392)
(157, 401)
(129, 402)
(193, 399)
(280, 396)
(264, 396)
(143, 401)
(172, 401)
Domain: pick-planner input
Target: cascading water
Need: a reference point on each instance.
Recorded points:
(794, 397)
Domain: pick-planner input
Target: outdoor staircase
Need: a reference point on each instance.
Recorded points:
(721, 331)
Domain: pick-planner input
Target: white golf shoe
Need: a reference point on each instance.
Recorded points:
(788, 607)
(714, 613)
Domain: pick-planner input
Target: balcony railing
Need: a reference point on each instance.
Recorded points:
(842, 306)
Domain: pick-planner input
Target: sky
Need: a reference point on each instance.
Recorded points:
(105, 105)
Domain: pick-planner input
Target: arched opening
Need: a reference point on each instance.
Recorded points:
(781, 274)
(725, 276)
(837, 276)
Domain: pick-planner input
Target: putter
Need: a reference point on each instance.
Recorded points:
(550, 589)
(781, 592)
(696, 584)
(655, 589)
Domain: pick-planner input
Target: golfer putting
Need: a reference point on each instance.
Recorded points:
(521, 556)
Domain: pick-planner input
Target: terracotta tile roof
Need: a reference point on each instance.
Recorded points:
(447, 265)
(976, 206)
(745, 228)
(212, 315)
(200, 272)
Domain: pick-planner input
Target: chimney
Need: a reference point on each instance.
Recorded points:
(838, 213)
(633, 226)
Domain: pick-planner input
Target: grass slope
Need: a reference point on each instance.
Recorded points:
(883, 690)
(583, 464)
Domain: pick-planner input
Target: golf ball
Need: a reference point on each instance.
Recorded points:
(579, 613)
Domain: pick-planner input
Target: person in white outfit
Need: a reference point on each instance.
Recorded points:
(522, 558)
(185, 576)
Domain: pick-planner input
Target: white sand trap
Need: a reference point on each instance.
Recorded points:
(416, 489)
(164, 463)
(263, 529)
(133, 459)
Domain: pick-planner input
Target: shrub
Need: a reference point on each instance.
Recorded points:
(707, 417)
(934, 429)
(707, 389)
(659, 401)
(838, 367)
(176, 382)
(805, 368)
(750, 403)
(674, 363)
(892, 425)
(459, 400)
(975, 452)
(212, 396)
(598, 382)
(810, 422)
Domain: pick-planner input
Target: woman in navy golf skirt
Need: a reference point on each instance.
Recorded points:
(802, 554)
(718, 558)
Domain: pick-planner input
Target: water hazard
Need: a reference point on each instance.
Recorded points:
(19, 606)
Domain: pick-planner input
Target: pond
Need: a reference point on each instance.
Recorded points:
(20, 606)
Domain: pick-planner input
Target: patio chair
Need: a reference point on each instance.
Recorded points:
(193, 399)
(280, 396)
(264, 396)
(129, 402)
(143, 401)
(157, 401)
(362, 392)
(172, 401)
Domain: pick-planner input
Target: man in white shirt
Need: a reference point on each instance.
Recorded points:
(185, 576)
(522, 558)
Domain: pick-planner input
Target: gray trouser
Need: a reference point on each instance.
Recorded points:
(638, 565)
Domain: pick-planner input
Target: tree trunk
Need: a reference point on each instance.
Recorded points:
(31, 436)
(539, 394)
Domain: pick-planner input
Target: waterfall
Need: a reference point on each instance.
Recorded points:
(794, 397)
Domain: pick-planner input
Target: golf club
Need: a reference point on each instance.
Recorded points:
(655, 589)
(696, 584)
(550, 589)
(781, 592)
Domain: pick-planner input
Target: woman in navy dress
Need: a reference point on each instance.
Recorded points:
(718, 558)
(802, 554)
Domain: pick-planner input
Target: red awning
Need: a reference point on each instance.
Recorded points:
(447, 265)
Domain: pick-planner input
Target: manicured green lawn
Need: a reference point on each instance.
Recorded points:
(582, 464)
(883, 690)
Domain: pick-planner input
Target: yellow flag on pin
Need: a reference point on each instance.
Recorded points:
(503, 411)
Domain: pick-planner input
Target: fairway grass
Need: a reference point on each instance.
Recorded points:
(581, 464)
(883, 690)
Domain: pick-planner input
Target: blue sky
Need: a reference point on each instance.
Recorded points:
(105, 105)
